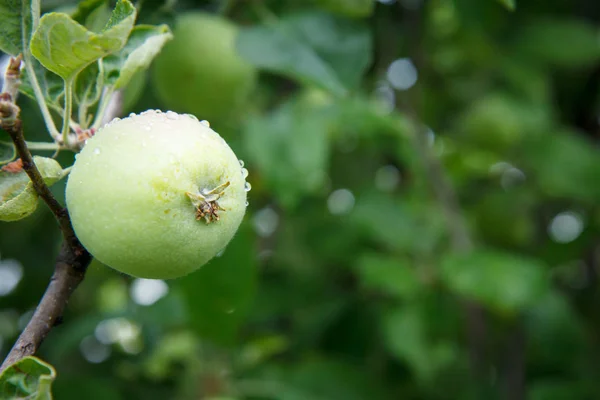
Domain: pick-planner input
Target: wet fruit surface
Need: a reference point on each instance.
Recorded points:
(139, 190)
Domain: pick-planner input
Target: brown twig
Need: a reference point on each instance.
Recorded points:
(15, 130)
(69, 271)
(70, 265)
(72, 260)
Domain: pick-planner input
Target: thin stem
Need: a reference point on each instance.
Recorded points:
(68, 110)
(39, 96)
(85, 102)
(104, 102)
(42, 146)
(82, 113)
(35, 14)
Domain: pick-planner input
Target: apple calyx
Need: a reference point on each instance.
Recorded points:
(206, 202)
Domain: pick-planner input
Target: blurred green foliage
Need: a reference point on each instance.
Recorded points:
(343, 282)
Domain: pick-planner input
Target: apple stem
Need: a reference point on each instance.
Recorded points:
(206, 203)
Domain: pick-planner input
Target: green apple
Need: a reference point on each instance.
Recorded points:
(156, 195)
(200, 72)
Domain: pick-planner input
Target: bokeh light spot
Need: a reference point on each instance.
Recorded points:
(387, 178)
(265, 222)
(402, 74)
(340, 202)
(566, 227)
(94, 351)
(146, 292)
(11, 273)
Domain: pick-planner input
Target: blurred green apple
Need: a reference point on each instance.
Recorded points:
(199, 71)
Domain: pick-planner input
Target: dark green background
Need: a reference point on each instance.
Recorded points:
(372, 303)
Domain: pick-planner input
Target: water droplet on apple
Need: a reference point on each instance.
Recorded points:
(247, 186)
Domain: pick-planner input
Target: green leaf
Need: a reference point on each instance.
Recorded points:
(29, 378)
(18, 198)
(174, 348)
(16, 15)
(52, 85)
(509, 4)
(504, 282)
(88, 85)
(315, 48)
(565, 164)
(13, 15)
(498, 121)
(410, 227)
(406, 334)
(144, 43)
(65, 47)
(92, 14)
(50, 169)
(560, 42)
(7, 149)
(392, 276)
(219, 294)
(290, 148)
(555, 330)
(325, 378)
(7, 152)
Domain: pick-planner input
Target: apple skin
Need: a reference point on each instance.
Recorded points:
(128, 194)
(200, 72)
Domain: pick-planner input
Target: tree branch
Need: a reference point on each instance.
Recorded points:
(72, 260)
(70, 266)
(69, 271)
(15, 130)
